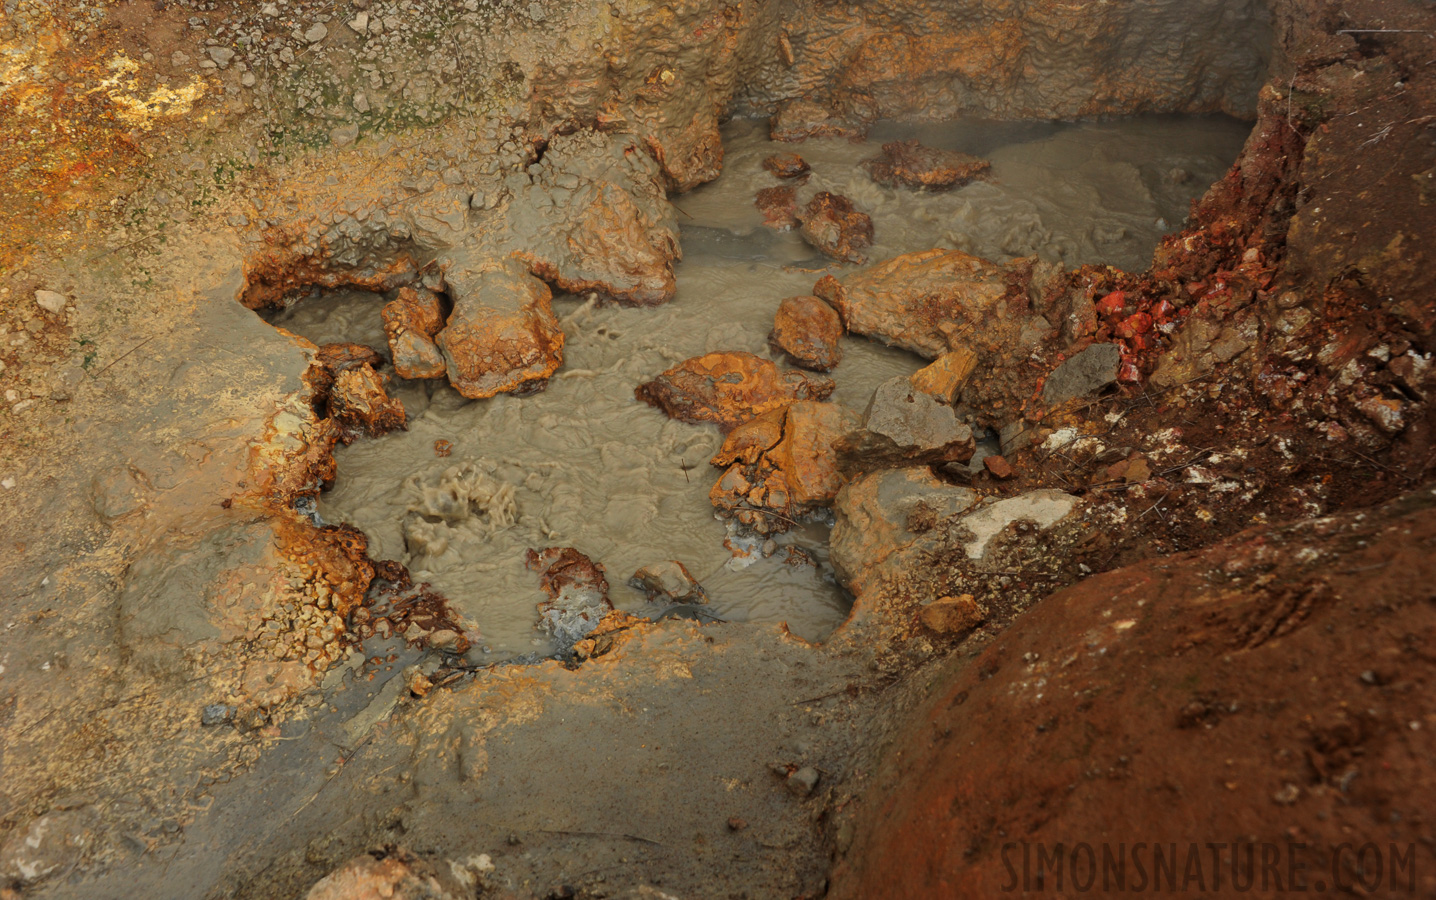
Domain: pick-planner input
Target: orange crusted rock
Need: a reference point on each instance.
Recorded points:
(807, 329)
(834, 226)
(771, 481)
(728, 389)
(360, 405)
(502, 335)
(917, 301)
(410, 323)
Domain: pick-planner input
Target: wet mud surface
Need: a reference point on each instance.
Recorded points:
(583, 464)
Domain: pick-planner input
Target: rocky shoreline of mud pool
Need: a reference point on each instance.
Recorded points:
(716, 449)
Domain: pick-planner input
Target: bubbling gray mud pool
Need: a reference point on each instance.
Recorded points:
(584, 464)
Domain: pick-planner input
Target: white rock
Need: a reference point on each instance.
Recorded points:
(1043, 508)
(8, 483)
(316, 33)
(360, 23)
(51, 301)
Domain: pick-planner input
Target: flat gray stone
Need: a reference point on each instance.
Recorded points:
(1086, 373)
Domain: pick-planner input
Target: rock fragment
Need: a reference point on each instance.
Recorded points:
(918, 301)
(502, 335)
(410, 322)
(668, 582)
(779, 206)
(360, 404)
(808, 330)
(787, 165)
(834, 226)
(997, 467)
(782, 465)
(577, 590)
(953, 615)
(1084, 373)
(729, 389)
(910, 164)
(946, 375)
(51, 301)
(904, 426)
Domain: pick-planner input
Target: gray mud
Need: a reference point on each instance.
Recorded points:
(584, 464)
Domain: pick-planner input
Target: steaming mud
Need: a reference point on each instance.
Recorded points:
(584, 464)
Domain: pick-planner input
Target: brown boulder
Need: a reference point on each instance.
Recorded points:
(807, 329)
(782, 465)
(831, 224)
(918, 301)
(729, 389)
(910, 164)
(787, 165)
(410, 322)
(360, 405)
(502, 335)
(779, 206)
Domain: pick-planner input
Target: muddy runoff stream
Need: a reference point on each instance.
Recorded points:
(584, 464)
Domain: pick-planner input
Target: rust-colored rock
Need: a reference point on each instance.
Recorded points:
(946, 375)
(577, 590)
(343, 355)
(954, 616)
(360, 405)
(798, 120)
(831, 224)
(1243, 686)
(779, 206)
(410, 322)
(807, 329)
(787, 165)
(910, 164)
(782, 465)
(729, 389)
(396, 875)
(918, 301)
(502, 335)
(997, 467)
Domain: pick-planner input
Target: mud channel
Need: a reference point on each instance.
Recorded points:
(584, 464)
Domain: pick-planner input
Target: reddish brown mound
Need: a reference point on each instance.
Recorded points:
(1274, 688)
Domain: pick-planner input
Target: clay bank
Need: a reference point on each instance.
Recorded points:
(780, 449)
